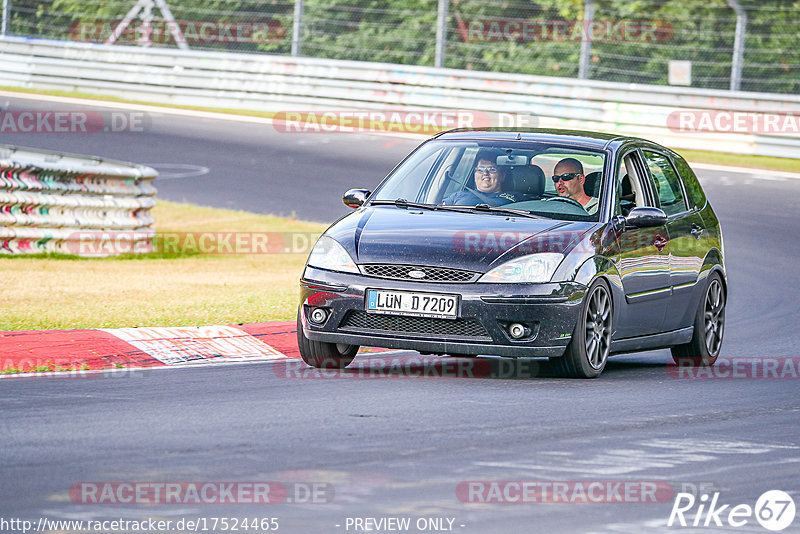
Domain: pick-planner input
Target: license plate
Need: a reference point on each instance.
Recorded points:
(411, 303)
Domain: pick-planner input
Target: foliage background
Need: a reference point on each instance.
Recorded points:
(404, 32)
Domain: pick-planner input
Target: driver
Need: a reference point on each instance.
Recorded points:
(489, 181)
(569, 179)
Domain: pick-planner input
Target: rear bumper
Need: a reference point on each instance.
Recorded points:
(548, 311)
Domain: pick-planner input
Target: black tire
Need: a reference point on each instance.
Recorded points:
(588, 350)
(323, 355)
(703, 349)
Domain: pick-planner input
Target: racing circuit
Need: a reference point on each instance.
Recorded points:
(396, 448)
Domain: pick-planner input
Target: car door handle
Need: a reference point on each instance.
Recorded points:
(696, 231)
(660, 243)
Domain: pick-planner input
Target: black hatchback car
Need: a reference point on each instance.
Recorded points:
(522, 243)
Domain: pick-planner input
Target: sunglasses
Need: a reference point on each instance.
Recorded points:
(565, 177)
(485, 169)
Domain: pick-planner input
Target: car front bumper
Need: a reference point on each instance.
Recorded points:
(548, 311)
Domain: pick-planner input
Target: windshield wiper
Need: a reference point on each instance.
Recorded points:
(501, 209)
(403, 203)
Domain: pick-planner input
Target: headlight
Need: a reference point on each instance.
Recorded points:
(329, 254)
(527, 269)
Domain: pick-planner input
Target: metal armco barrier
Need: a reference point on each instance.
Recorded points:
(52, 202)
(278, 83)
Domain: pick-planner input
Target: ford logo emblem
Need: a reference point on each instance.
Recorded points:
(416, 274)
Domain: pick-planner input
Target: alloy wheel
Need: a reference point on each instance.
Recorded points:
(598, 327)
(714, 317)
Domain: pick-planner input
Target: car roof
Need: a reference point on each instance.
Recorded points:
(598, 140)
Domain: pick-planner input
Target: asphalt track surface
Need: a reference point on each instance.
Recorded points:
(397, 446)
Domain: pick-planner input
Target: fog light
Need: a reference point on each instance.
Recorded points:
(318, 315)
(516, 330)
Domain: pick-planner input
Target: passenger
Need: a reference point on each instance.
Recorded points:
(489, 182)
(569, 178)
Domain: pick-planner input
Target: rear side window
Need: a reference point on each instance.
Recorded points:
(697, 198)
(667, 183)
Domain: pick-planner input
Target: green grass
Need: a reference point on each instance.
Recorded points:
(48, 367)
(186, 288)
(693, 156)
(739, 160)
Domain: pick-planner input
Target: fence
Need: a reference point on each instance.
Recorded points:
(281, 84)
(749, 45)
(52, 202)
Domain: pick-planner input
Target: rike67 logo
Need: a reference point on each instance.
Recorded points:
(774, 510)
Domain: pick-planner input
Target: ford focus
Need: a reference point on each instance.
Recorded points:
(566, 245)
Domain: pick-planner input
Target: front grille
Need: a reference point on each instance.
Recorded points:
(360, 321)
(432, 274)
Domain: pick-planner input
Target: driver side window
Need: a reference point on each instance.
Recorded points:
(459, 177)
(668, 187)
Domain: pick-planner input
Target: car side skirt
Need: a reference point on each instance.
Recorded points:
(653, 341)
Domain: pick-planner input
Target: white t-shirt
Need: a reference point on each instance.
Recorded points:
(592, 205)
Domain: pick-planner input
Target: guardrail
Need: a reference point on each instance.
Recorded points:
(53, 202)
(278, 83)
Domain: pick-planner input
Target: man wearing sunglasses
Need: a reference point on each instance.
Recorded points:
(568, 178)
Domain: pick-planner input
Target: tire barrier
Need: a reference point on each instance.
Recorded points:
(71, 204)
(680, 117)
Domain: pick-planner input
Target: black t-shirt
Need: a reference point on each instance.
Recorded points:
(468, 197)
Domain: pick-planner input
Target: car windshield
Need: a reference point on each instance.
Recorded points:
(546, 180)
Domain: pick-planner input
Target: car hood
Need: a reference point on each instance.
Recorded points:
(470, 241)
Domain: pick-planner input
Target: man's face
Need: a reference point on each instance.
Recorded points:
(572, 188)
(488, 177)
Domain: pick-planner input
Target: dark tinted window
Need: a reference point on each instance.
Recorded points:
(625, 199)
(667, 183)
(513, 174)
(697, 198)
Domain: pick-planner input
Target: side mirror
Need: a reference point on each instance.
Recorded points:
(355, 198)
(646, 217)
